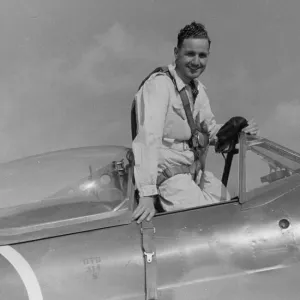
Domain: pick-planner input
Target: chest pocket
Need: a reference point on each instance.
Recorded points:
(176, 126)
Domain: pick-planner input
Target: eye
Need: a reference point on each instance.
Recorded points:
(190, 54)
(203, 55)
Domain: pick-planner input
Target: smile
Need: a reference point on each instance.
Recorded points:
(194, 69)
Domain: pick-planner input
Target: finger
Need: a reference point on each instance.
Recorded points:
(246, 129)
(151, 215)
(251, 127)
(138, 211)
(143, 217)
(252, 132)
(136, 215)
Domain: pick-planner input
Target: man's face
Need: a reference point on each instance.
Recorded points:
(191, 58)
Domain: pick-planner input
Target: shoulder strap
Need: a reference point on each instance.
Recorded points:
(187, 109)
(134, 125)
(163, 69)
(133, 119)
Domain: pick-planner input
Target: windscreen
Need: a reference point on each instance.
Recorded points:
(267, 162)
(102, 190)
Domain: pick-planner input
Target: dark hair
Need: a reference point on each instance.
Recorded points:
(193, 30)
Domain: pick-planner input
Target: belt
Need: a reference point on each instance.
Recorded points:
(175, 170)
(176, 145)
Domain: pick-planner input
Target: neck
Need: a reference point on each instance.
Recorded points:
(182, 77)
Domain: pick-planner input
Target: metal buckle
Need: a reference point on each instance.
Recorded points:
(149, 256)
(142, 229)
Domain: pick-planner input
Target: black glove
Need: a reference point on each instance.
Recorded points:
(229, 133)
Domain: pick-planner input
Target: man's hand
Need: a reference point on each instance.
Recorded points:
(144, 210)
(252, 128)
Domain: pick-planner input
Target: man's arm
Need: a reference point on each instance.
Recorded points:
(151, 105)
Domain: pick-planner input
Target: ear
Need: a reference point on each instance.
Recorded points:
(176, 52)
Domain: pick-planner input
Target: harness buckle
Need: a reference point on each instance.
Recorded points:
(149, 256)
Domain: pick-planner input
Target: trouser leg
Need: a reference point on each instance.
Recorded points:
(213, 188)
(181, 192)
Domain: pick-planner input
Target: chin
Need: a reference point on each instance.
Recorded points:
(192, 76)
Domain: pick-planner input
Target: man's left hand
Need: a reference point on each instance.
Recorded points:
(252, 128)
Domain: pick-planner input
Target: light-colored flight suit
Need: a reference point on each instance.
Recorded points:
(161, 142)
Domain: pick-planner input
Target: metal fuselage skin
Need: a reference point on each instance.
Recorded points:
(226, 251)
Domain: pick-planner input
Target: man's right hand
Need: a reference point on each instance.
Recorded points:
(144, 210)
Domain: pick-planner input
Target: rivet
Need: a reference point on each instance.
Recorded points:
(284, 223)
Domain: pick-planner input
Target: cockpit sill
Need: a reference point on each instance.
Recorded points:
(65, 227)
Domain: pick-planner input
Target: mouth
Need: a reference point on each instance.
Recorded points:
(195, 70)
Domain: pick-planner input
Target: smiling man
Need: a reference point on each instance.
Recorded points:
(163, 148)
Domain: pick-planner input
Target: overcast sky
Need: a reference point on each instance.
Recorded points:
(69, 68)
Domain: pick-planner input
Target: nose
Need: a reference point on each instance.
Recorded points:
(196, 61)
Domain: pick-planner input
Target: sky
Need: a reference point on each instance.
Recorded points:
(69, 68)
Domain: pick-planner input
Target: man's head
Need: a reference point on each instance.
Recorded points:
(192, 51)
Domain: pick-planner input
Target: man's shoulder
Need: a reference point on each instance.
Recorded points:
(160, 78)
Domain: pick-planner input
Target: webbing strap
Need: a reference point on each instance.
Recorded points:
(134, 124)
(187, 109)
(200, 154)
(150, 263)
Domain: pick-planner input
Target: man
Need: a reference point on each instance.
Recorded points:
(163, 129)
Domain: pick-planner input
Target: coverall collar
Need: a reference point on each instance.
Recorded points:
(179, 82)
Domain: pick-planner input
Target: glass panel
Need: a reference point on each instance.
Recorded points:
(256, 170)
(104, 190)
(267, 162)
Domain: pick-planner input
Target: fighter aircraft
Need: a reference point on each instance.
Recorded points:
(72, 237)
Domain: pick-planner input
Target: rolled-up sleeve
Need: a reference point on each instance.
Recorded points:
(151, 109)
